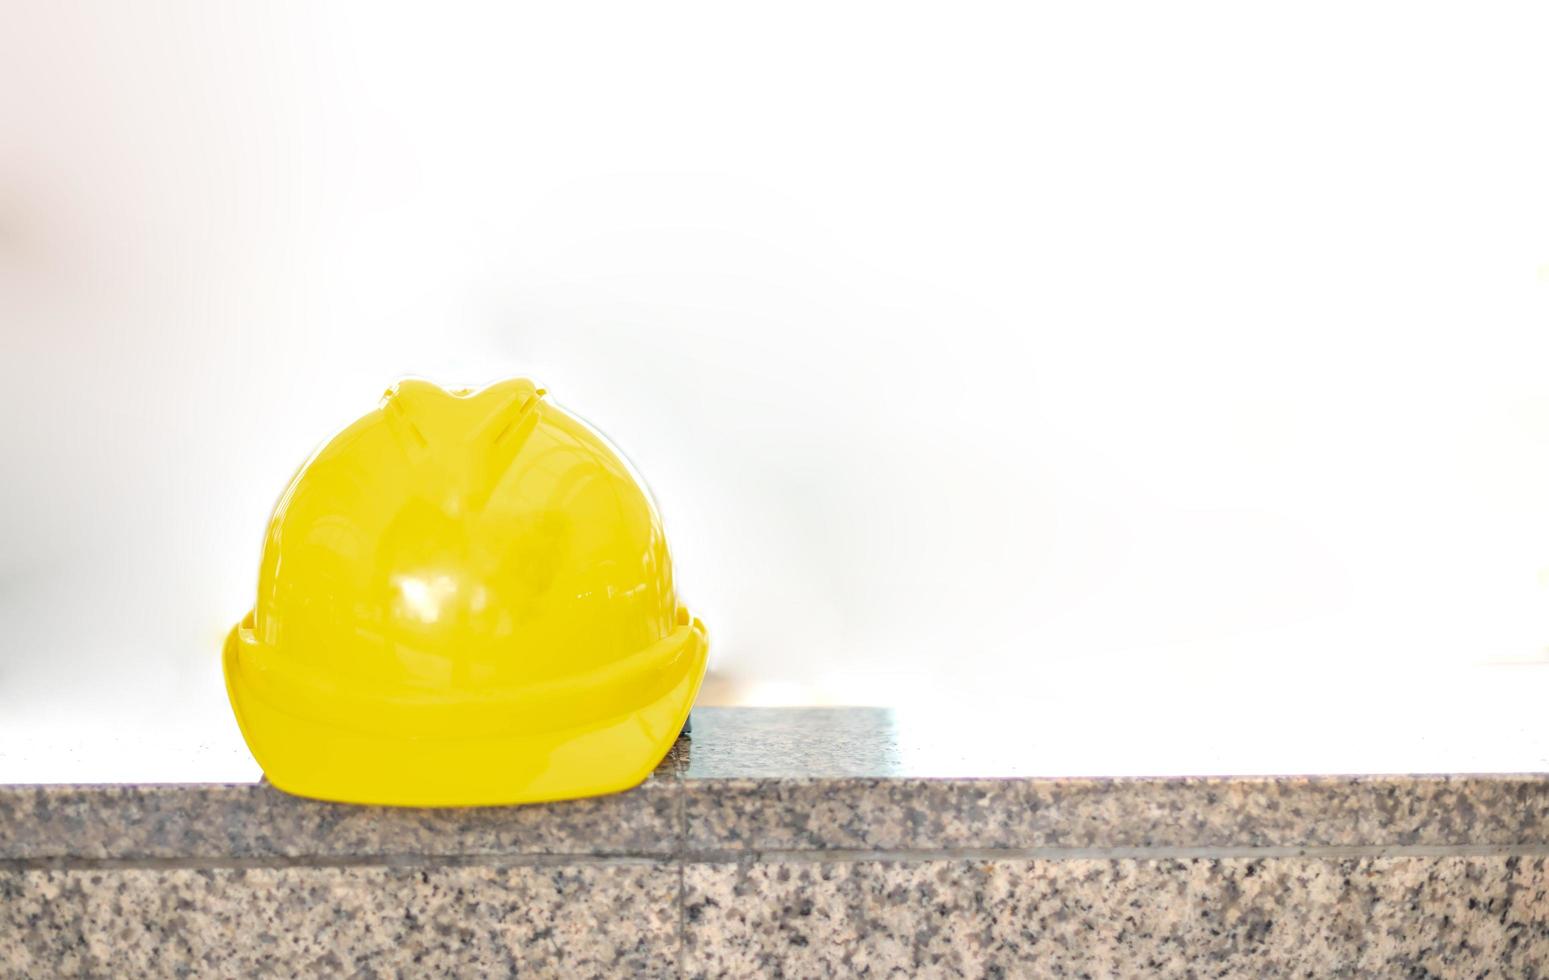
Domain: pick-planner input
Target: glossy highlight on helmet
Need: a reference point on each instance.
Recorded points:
(465, 598)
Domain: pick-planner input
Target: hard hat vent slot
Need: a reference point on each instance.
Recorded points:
(426, 416)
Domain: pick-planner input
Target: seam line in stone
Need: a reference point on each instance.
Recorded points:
(1155, 853)
(679, 846)
(771, 856)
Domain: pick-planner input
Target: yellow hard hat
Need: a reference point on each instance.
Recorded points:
(465, 598)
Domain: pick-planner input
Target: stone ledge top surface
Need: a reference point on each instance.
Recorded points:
(808, 780)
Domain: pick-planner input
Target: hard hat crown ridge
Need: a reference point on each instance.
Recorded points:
(465, 597)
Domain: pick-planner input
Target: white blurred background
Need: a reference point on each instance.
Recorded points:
(1151, 368)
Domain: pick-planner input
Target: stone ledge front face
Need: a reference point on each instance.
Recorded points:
(1260, 917)
(1268, 917)
(583, 920)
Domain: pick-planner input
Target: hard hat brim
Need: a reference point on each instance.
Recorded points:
(307, 754)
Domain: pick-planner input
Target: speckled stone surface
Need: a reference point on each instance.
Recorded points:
(815, 778)
(1277, 917)
(257, 820)
(577, 921)
(803, 842)
(1281, 811)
